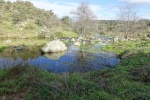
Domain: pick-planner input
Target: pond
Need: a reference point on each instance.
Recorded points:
(75, 59)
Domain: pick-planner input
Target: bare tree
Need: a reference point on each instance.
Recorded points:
(128, 18)
(85, 20)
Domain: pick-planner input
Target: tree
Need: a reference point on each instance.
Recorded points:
(128, 18)
(85, 20)
(67, 21)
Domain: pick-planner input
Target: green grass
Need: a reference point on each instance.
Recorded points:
(2, 48)
(128, 80)
(66, 33)
(126, 48)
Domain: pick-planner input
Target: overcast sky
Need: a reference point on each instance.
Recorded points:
(104, 9)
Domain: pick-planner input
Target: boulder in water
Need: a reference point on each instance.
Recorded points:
(73, 40)
(77, 43)
(54, 46)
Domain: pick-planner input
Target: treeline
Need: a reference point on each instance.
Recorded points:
(24, 15)
(116, 27)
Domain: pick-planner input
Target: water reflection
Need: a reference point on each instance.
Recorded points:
(10, 62)
(73, 60)
(54, 56)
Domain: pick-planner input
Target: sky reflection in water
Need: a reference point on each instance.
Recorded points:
(73, 60)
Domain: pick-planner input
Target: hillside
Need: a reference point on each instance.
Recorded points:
(22, 20)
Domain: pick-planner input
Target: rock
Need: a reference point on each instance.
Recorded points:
(54, 46)
(20, 48)
(81, 38)
(54, 56)
(92, 42)
(77, 43)
(84, 42)
(73, 40)
(22, 25)
(8, 41)
(116, 39)
(36, 35)
(99, 40)
(92, 37)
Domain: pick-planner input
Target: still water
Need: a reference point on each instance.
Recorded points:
(74, 59)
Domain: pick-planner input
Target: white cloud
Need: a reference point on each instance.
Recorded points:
(59, 9)
(146, 16)
(137, 1)
(11, 0)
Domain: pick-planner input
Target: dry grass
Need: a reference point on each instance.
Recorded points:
(27, 42)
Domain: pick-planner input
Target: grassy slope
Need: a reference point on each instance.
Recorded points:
(27, 36)
(128, 80)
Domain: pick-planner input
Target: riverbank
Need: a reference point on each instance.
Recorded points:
(127, 80)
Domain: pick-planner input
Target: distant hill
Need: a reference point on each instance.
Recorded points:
(22, 16)
(21, 11)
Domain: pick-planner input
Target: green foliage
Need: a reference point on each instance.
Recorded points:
(2, 48)
(148, 29)
(67, 21)
(116, 28)
(30, 26)
(23, 16)
(123, 46)
(21, 11)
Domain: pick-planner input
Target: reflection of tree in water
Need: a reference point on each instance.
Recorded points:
(73, 60)
(83, 62)
(11, 57)
(87, 61)
(25, 54)
(10, 62)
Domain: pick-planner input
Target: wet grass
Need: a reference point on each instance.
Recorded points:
(128, 80)
(126, 48)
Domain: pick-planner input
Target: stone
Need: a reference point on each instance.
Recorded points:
(8, 41)
(100, 40)
(84, 42)
(54, 46)
(22, 25)
(73, 40)
(20, 48)
(77, 43)
(116, 39)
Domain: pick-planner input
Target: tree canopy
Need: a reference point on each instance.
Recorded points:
(85, 20)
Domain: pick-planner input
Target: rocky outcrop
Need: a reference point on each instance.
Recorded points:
(54, 46)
